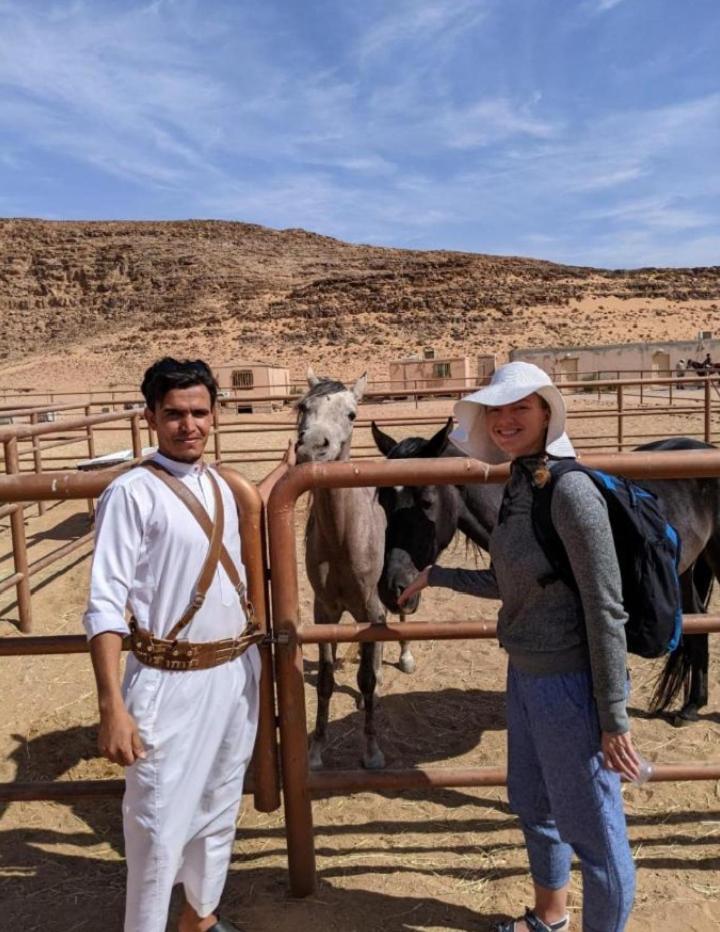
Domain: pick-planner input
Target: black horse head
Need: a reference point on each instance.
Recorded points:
(421, 520)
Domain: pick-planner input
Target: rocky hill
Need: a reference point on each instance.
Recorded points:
(124, 291)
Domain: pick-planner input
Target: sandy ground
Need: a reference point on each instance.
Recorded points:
(450, 860)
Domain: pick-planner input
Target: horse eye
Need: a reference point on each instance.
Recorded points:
(425, 504)
(352, 415)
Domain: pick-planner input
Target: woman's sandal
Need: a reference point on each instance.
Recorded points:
(533, 923)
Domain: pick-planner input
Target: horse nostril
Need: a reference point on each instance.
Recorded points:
(326, 442)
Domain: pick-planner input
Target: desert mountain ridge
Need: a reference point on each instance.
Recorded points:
(84, 304)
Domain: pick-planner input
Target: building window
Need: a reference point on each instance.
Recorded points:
(242, 378)
(441, 370)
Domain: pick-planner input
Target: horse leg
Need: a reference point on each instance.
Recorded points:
(686, 668)
(407, 661)
(370, 660)
(325, 688)
(697, 693)
(369, 675)
(706, 568)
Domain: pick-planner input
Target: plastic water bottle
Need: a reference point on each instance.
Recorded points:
(646, 771)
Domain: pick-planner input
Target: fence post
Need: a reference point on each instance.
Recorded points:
(620, 426)
(708, 430)
(37, 458)
(670, 394)
(136, 438)
(216, 435)
(642, 384)
(91, 456)
(19, 544)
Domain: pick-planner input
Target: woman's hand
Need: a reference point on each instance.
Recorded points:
(417, 585)
(620, 755)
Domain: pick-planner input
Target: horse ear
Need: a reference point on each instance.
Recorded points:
(384, 442)
(437, 443)
(311, 377)
(359, 387)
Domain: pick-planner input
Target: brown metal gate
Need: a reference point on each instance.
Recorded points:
(299, 783)
(289, 635)
(264, 780)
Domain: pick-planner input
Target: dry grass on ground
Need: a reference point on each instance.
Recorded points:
(450, 860)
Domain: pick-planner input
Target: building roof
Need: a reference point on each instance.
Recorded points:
(248, 365)
(410, 359)
(643, 345)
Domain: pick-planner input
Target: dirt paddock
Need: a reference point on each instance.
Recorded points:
(443, 860)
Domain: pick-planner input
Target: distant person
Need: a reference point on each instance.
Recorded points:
(567, 724)
(707, 364)
(184, 723)
(680, 369)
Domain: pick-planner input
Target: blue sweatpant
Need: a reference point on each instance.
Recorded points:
(565, 799)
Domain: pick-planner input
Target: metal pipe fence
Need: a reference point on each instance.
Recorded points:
(64, 486)
(299, 784)
(43, 439)
(283, 666)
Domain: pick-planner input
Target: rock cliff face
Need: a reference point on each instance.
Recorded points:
(63, 284)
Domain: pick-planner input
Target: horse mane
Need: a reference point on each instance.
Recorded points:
(409, 448)
(326, 386)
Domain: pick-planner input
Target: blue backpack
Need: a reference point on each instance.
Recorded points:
(648, 552)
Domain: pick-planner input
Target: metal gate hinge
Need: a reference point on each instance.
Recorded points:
(282, 638)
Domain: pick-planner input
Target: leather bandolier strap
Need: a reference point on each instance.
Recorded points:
(170, 653)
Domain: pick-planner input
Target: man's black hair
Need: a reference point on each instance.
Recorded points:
(168, 373)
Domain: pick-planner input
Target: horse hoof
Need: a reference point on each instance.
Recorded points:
(315, 758)
(407, 663)
(374, 760)
(686, 717)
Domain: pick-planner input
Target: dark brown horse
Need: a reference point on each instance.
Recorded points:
(422, 520)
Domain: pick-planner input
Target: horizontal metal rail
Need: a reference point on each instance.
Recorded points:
(300, 784)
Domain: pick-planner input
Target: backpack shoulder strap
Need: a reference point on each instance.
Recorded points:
(544, 529)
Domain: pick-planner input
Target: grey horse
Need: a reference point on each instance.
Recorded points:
(344, 549)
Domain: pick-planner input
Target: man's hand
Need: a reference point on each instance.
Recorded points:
(620, 755)
(118, 738)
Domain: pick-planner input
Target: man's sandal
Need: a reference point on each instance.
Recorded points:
(222, 925)
(533, 923)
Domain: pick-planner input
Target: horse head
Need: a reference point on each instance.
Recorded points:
(421, 520)
(325, 419)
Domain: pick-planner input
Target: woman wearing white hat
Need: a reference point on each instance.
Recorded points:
(568, 733)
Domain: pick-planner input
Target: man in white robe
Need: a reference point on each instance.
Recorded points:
(185, 736)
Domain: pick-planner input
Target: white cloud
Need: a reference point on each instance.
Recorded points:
(488, 121)
(435, 24)
(604, 5)
(659, 212)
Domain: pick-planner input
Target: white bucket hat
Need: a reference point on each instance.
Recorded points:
(509, 384)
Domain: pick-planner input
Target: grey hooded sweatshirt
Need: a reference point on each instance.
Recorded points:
(552, 629)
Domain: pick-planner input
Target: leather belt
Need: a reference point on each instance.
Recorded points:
(166, 654)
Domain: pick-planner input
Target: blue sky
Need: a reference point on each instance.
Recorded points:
(582, 131)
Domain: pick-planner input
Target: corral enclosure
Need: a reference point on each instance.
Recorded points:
(448, 859)
(620, 360)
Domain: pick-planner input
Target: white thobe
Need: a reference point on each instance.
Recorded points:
(197, 726)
